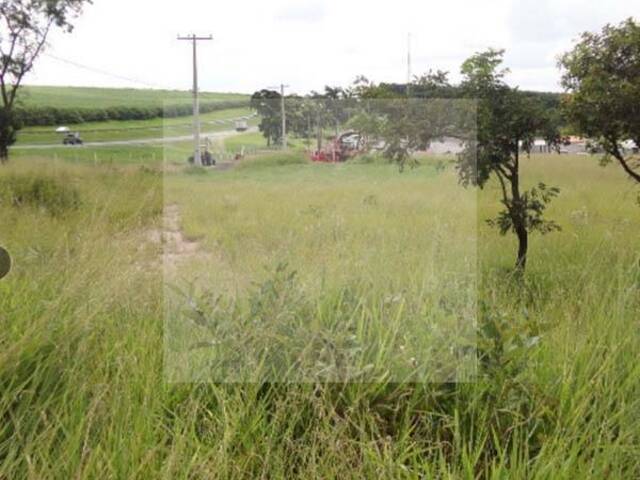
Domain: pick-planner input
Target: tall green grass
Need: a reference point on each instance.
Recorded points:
(81, 365)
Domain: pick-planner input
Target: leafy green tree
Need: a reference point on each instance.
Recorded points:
(363, 88)
(406, 125)
(267, 104)
(24, 28)
(337, 105)
(602, 76)
(330, 110)
(402, 126)
(434, 85)
(302, 117)
(508, 122)
(303, 114)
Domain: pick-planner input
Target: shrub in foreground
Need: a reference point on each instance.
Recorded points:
(41, 192)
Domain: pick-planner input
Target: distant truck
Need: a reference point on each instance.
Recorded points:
(72, 139)
(242, 126)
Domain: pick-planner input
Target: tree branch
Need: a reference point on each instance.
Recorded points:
(625, 166)
(27, 65)
(501, 170)
(505, 198)
(8, 59)
(3, 89)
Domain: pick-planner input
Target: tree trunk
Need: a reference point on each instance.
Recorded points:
(523, 247)
(4, 154)
(518, 217)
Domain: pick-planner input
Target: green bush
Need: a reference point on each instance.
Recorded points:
(41, 192)
(48, 116)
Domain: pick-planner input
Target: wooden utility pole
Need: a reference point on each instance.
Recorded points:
(283, 114)
(197, 157)
(409, 73)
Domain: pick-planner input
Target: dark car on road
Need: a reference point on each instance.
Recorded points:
(72, 139)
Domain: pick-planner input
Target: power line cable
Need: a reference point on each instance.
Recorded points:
(104, 72)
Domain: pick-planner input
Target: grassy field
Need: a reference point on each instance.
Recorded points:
(80, 97)
(84, 394)
(148, 154)
(107, 155)
(362, 231)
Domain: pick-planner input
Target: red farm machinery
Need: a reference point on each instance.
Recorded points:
(343, 147)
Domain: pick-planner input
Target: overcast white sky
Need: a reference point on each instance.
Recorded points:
(312, 43)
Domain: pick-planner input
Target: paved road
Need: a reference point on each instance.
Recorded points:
(143, 141)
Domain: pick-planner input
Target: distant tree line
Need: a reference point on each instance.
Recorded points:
(306, 116)
(432, 85)
(45, 116)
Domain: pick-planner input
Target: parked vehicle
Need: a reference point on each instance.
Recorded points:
(72, 139)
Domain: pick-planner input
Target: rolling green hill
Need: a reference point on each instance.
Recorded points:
(89, 97)
(46, 106)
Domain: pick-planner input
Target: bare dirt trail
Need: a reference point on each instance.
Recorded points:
(177, 249)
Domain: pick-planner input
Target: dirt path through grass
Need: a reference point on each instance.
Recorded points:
(177, 249)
